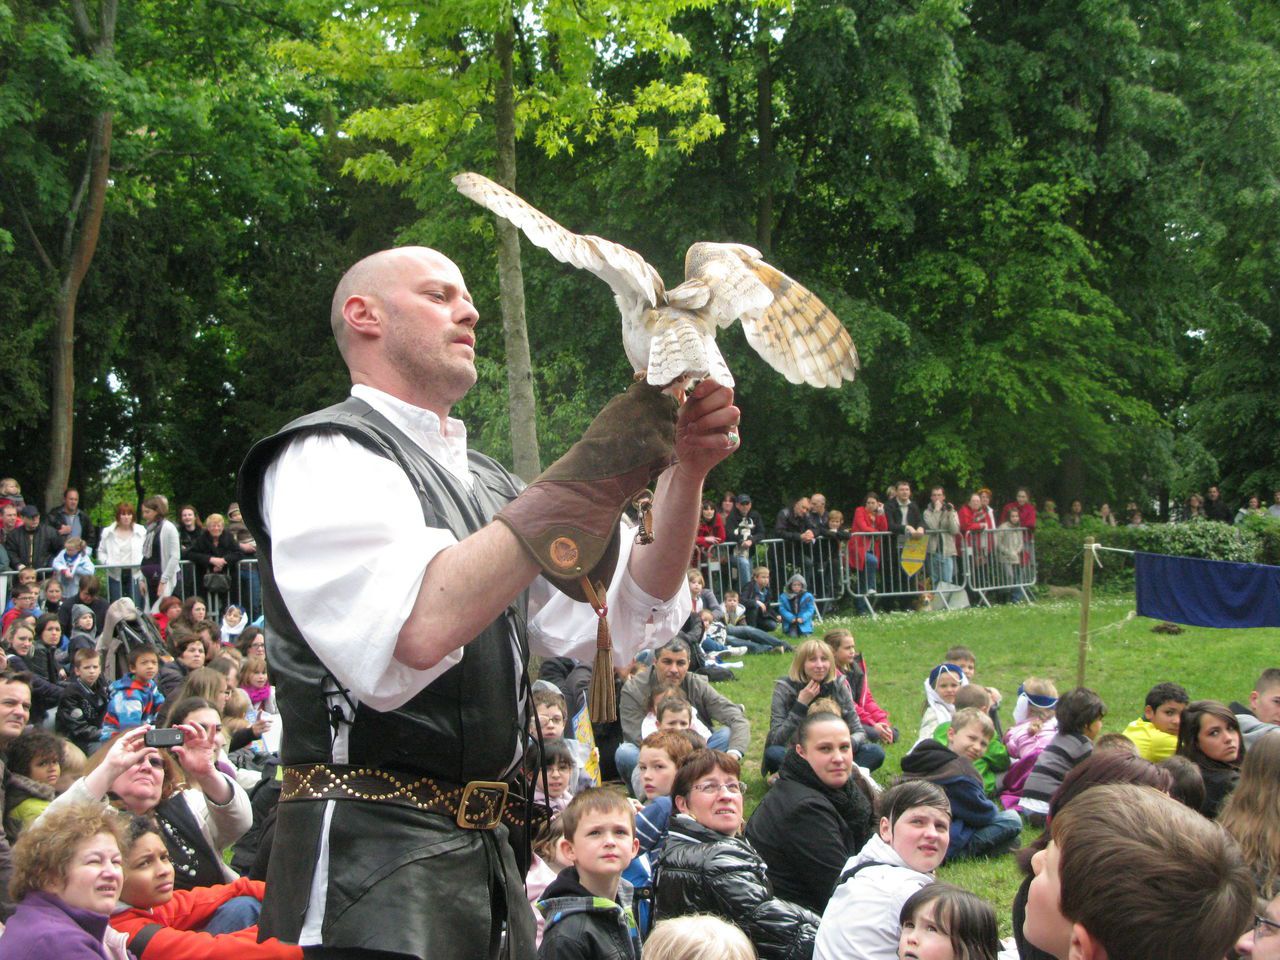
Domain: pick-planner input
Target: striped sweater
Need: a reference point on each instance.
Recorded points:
(1055, 762)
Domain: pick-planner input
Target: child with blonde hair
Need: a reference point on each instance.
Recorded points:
(1035, 726)
(699, 936)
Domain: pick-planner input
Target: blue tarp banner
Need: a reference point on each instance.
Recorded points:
(1207, 593)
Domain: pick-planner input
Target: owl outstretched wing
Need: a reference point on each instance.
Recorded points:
(628, 274)
(784, 321)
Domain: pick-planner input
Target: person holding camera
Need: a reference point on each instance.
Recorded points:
(942, 524)
(743, 527)
(201, 810)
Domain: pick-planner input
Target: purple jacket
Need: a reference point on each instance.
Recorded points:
(42, 919)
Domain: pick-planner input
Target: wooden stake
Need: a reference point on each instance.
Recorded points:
(1085, 594)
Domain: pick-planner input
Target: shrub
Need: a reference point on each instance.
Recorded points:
(1060, 553)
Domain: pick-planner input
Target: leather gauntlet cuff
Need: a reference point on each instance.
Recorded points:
(567, 519)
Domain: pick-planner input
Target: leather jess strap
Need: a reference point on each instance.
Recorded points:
(478, 805)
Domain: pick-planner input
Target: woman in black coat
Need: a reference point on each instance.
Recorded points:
(818, 814)
(705, 867)
(215, 552)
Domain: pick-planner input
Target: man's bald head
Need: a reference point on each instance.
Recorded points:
(372, 277)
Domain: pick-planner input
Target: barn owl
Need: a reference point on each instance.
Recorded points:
(670, 335)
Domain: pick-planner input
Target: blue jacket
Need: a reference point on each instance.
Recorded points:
(970, 807)
(799, 610)
(131, 703)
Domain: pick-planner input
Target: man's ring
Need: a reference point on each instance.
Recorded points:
(732, 436)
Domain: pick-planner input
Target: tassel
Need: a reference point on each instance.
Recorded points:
(602, 704)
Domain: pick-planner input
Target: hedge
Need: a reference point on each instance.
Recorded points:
(1060, 552)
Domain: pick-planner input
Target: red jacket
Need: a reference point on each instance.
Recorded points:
(869, 712)
(165, 933)
(862, 523)
(970, 522)
(713, 529)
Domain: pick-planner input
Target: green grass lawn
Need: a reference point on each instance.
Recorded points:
(1012, 643)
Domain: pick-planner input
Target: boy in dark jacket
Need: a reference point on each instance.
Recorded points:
(978, 826)
(84, 702)
(588, 906)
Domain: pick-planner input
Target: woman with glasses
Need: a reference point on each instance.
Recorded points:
(1262, 940)
(706, 867)
(200, 809)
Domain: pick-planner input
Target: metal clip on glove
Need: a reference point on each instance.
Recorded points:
(568, 517)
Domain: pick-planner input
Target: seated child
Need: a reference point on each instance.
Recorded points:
(853, 668)
(978, 826)
(84, 629)
(543, 869)
(940, 689)
(660, 756)
(256, 683)
(669, 710)
(715, 639)
(84, 701)
(797, 608)
(1262, 715)
(938, 913)
(1034, 728)
(71, 563)
(699, 936)
(1115, 741)
(734, 612)
(233, 623)
(558, 766)
(1156, 734)
(756, 597)
(995, 760)
(588, 906)
(1188, 782)
(163, 923)
(553, 720)
(1092, 895)
(1079, 713)
(861, 921)
(967, 661)
(134, 699)
(740, 634)
(30, 784)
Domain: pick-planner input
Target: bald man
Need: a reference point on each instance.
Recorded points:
(399, 633)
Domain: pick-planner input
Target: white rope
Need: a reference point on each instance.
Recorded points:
(1097, 546)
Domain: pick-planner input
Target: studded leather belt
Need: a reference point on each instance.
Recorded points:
(478, 805)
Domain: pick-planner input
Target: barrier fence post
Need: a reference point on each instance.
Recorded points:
(1085, 594)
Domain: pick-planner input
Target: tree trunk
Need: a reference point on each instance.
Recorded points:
(62, 363)
(764, 137)
(79, 242)
(527, 462)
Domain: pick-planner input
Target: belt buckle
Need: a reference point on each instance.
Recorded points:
(481, 805)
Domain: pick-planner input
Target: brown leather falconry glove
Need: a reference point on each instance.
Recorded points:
(568, 517)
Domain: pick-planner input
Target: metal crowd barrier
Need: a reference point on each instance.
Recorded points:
(125, 580)
(1001, 561)
(822, 563)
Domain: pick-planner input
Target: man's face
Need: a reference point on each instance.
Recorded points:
(1167, 717)
(71, 501)
(1213, 493)
(1045, 926)
(429, 333)
(31, 523)
(15, 708)
(1266, 705)
(937, 496)
(904, 492)
(802, 507)
(673, 665)
(9, 516)
(744, 508)
(818, 503)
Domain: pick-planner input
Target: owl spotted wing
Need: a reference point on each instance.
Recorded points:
(725, 270)
(628, 274)
(797, 334)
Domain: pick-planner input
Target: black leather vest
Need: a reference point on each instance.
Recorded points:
(463, 726)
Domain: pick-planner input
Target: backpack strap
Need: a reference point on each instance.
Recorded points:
(854, 871)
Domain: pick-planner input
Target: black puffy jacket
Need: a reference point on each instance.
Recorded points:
(702, 871)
